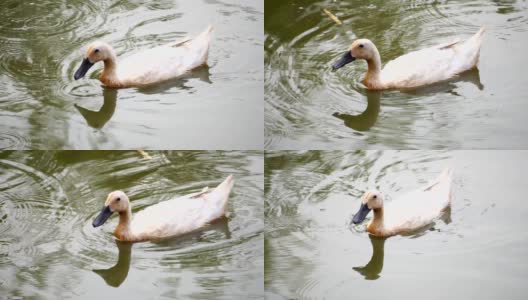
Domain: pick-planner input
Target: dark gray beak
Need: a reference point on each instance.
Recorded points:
(361, 214)
(345, 59)
(85, 66)
(102, 217)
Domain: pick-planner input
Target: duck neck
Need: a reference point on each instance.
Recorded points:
(109, 75)
(122, 231)
(376, 225)
(372, 78)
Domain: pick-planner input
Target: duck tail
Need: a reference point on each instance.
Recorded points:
(446, 173)
(220, 194)
(226, 186)
(476, 39)
(206, 34)
(469, 50)
(441, 186)
(200, 44)
(444, 177)
(481, 31)
(209, 29)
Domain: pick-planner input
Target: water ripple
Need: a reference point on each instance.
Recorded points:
(13, 141)
(30, 216)
(26, 17)
(303, 95)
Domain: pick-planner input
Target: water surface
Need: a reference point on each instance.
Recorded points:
(49, 249)
(312, 251)
(307, 106)
(43, 107)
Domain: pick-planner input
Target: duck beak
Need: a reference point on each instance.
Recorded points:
(102, 217)
(85, 66)
(345, 59)
(361, 214)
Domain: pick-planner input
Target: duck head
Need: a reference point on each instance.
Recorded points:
(370, 200)
(97, 51)
(362, 49)
(116, 201)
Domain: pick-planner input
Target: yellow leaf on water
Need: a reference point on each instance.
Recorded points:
(144, 154)
(332, 16)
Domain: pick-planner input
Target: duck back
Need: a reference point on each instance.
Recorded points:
(182, 215)
(434, 64)
(165, 62)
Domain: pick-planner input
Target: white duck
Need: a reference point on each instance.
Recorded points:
(418, 68)
(411, 212)
(166, 219)
(150, 66)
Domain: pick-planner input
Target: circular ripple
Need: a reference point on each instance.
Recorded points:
(501, 16)
(37, 35)
(33, 204)
(13, 141)
(45, 18)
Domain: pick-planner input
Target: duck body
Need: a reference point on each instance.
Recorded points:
(418, 68)
(150, 66)
(409, 213)
(169, 218)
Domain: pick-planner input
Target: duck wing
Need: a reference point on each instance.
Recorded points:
(170, 218)
(447, 45)
(419, 68)
(180, 42)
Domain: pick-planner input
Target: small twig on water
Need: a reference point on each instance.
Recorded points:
(144, 154)
(332, 16)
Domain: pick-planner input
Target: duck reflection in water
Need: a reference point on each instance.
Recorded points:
(117, 274)
(372, 270)
(366, 119)
(201, 73)
(98, 119)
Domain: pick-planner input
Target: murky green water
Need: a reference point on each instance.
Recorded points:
(311, 251)
(42, 107)
(49, 249)
(484, 108)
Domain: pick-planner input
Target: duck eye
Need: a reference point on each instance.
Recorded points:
(361, 46)
(375, 197)
(118, 199)
(96, 50)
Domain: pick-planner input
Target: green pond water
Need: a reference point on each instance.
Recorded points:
(49, 249)
(312, 251)
(43, 107)
(308, 106)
